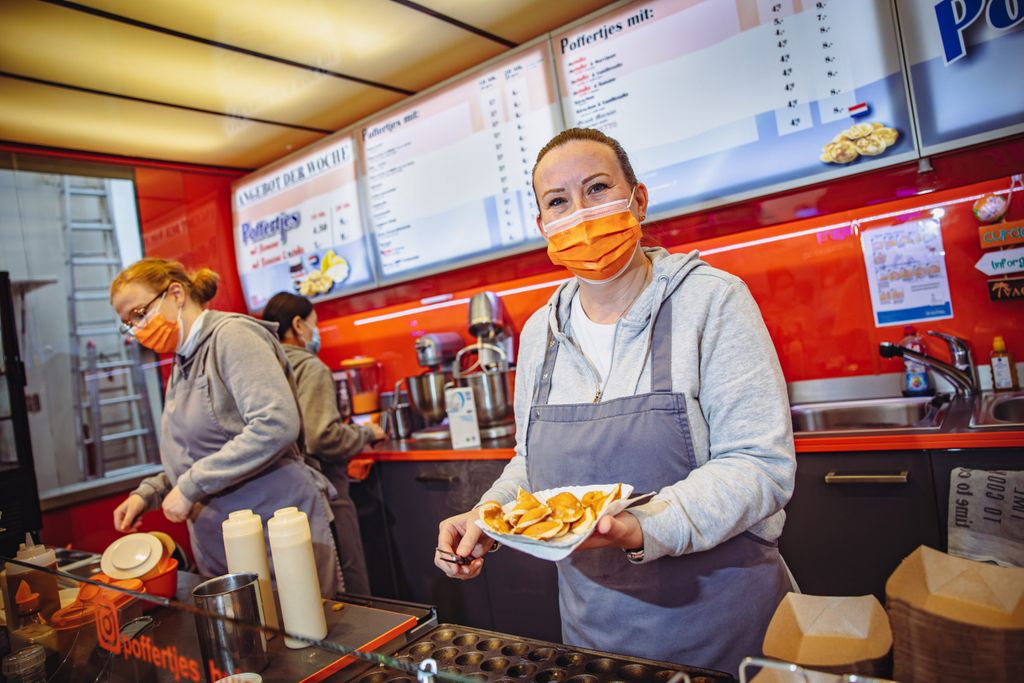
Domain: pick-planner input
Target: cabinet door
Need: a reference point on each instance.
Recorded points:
(368, 496)
(944, 462)
(418, 495)
(847, 529)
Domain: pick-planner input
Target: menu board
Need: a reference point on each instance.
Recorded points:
(298, 227)
(964, 59)
(448, 177)
(719, 99)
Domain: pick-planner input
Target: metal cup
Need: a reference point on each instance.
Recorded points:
(231, 648)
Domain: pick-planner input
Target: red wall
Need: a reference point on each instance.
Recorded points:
(186, 215)
(90, 525)
(812, 289)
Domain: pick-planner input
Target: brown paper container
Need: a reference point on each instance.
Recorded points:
(832, 634)
(955, 619)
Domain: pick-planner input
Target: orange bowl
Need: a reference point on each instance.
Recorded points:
(165, 581)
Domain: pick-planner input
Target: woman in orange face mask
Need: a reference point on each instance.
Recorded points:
(655, 370)
(230, 424)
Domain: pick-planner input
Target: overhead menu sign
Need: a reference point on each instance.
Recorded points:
(964, 58)
(717, 99)
(298, 227)
(448, 177)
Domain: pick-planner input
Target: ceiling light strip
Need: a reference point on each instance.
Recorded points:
(133, 98)
(455, 22)
(224, 46)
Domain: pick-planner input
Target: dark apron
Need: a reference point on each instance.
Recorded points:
(709, 608)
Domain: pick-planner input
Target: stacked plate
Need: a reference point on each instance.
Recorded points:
(955, 619)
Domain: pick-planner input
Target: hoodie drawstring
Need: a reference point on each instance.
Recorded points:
(659, 301)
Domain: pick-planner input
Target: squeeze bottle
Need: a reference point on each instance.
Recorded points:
(1004, 371)
(40, 581)
(916, 381)
(298, 585)
(246, 551)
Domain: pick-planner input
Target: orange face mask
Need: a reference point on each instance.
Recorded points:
(597, 243)
(158, 333)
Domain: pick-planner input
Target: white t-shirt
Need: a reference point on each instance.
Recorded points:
(596, 340)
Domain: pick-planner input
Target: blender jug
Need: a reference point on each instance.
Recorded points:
(363, 376)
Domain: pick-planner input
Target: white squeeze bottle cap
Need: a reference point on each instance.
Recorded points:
(298, 585)
(246, 551)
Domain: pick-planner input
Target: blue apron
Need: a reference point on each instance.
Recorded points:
(707, 608)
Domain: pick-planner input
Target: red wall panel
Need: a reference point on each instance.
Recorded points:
(90, 525)
(808, 277)
(187, 216)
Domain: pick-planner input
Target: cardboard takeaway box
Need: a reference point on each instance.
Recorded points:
(955, 619)
(831, 634)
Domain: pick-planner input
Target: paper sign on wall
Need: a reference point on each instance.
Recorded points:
(1001, 262)
(906, 268)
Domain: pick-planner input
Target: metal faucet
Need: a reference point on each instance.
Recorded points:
(960, 353)
(963, 383)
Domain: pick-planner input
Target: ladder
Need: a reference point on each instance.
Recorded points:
(113, 415)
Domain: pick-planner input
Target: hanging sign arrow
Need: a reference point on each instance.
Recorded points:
(1001, 262)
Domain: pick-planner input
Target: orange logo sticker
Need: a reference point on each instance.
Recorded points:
(108, 630)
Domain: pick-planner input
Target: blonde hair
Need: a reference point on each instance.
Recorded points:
(158, 274)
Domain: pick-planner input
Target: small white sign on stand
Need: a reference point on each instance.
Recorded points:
(462, 423)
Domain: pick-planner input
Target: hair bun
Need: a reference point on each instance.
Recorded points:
(204, 284)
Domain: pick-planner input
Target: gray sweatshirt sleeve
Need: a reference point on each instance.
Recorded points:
(153, 489)
(513, 476)
(752, 465)
(328, 438)
(251, 371)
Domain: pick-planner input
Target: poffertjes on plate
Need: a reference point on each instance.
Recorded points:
(561, 515)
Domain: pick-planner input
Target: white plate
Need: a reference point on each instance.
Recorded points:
(131, 556)
(560, 548)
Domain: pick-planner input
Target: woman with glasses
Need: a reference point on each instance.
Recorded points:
(655, 370)
(230, 425)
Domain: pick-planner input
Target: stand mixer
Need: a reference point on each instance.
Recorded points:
(490, 376)
(435, 352)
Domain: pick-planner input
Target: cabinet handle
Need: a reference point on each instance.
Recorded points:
(894, 478)
(437, 478)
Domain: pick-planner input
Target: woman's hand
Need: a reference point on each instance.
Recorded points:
(128, 515)
(177, 508)
(378, 433)
(621, 531)
(459, 536)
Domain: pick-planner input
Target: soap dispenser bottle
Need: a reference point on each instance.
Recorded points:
(1004, 370)
(916, 381)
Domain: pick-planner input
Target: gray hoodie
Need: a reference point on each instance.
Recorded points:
(328, 438)
(254, 408)
(724, 364)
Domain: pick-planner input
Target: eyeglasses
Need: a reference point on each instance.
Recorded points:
(137, 316)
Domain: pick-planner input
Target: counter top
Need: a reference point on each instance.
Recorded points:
(955, 433)
(355, 626)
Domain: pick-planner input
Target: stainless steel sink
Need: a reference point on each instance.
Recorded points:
(995, 410)
(888, 414)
